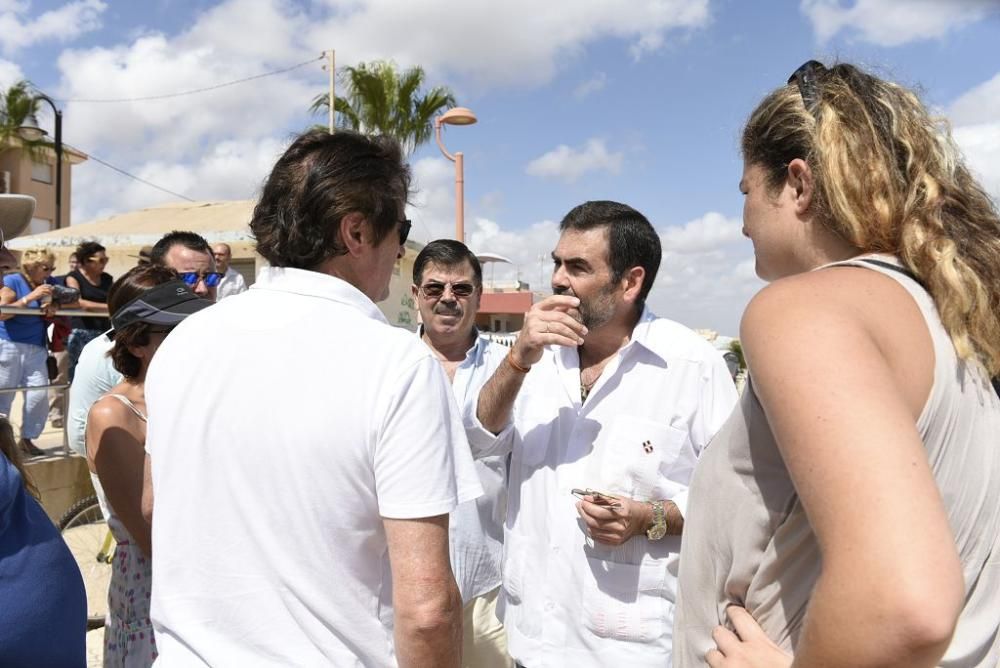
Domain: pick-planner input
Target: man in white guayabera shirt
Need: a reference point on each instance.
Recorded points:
(601, 400)
(302, 454)
(447, 286)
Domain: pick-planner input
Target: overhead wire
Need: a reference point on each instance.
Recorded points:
(91, 156)
(193, 91)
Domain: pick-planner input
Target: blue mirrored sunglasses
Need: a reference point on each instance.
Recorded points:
(211, 278)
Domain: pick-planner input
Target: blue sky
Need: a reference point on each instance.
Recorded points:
(638, 101)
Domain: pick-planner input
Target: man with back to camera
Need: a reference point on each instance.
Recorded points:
(601, 400)
(447, 287)
(189, 255)
(232, 282)
(321, 536)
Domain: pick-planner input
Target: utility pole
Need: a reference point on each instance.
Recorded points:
(331, 69)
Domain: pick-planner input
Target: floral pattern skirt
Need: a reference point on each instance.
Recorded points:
(128, 633)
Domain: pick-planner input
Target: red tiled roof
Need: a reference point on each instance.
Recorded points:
(505, 302)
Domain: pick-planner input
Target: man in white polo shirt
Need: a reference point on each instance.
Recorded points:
(447, 286)
(304, 454)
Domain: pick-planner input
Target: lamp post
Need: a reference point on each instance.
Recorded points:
(34, 133)
(456, 116)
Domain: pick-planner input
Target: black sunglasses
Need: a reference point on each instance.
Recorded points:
(436, 289)
(806, 78)
(404, 230)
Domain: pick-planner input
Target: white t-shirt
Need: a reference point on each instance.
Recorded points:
(94, 377)
(284, 424)
(568, 601)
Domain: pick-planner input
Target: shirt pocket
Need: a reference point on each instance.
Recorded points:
(638, 456)
(519, 579)
(625, 602)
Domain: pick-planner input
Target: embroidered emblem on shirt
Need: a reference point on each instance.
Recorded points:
(647, 446)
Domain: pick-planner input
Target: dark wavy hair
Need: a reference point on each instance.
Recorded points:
(446, 253)
(130, 285)
(321, 178)
(87, 249)
(632, 241)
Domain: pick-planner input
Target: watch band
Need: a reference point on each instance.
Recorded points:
(659, 528)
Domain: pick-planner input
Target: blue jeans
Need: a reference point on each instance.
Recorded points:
(23, 365)
(78, 338)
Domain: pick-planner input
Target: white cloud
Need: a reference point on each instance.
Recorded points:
(590, 86)
(569, 164)
(894, 22)
(10, 73)
(445, 36)
(703, 234)
(63, 24)
(976, 117)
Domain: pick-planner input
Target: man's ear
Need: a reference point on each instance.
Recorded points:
(413, 290)
(355, 232)
(633, 281)
(800, 179)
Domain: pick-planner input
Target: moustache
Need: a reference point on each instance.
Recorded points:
(444, 310)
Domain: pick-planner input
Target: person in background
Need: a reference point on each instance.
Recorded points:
(319, 516)
(232, 281)
(43, 614)
(24, 344)
(93, 283)
(846, 514)
(601, 400)
(61, 328)
(146, 304)
(447, 286)
(186, 253)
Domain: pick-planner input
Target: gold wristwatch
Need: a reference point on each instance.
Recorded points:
(659, 528)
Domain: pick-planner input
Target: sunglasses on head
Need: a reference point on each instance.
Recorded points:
(436, 289)
(211, 278)
(806, 77)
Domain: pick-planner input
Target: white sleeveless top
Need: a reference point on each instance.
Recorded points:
(747, 540)
(117, 528)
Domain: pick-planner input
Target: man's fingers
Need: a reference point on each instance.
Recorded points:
(725, 640)
(743, 622)
(715, 658)
(565, 326)
(556, 302)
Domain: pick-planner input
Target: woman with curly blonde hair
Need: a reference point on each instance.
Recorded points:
(847, 514)
(23, 343)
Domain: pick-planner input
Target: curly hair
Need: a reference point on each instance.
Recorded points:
(36, 256)
(88, 249)
(130, 285)
(321, 178)
(890, 179)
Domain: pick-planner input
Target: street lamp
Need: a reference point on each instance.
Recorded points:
(34, 133)
(456, 116)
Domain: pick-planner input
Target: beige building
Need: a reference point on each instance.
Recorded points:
(21, 175)
(124, 234)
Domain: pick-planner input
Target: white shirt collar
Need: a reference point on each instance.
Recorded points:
(474, 355)
(316, 284)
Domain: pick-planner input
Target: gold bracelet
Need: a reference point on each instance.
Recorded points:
(515, 365)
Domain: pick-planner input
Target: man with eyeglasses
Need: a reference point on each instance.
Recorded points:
(447, 286)
(315, 484)
(189, 255)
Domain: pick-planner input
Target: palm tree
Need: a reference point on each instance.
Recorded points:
(18, 107)
(380, 99)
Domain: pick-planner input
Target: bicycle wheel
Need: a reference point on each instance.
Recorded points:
(86, 533)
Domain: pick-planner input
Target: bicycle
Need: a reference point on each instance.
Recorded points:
(86, 533)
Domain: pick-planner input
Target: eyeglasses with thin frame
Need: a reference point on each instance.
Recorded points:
(99, 260)
(435, 289)
(211, 278)
(404, 230)
(806, 78)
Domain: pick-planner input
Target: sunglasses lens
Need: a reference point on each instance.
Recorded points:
(190, 277)
(462, 289)
(211, 280)
(434, 290)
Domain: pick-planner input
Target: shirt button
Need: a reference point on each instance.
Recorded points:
(550, 606)
(555, 549)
